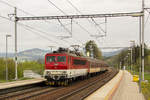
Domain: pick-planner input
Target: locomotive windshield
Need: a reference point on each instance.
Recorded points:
(61, 59)
(56, 59)
(50, 59)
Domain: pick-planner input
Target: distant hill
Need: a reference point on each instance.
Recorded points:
(4, 54)
(109, 54)
(36, 53)
(30, 54)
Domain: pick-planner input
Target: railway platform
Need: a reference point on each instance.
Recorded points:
(128, 90)
(121, 87)
(20, 83)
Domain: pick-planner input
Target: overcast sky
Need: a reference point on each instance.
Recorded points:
(119, 30)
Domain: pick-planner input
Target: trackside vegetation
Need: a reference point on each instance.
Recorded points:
(35, 66)
(146, 89)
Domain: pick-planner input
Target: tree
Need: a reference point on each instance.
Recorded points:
(92, 48)
(115, 60)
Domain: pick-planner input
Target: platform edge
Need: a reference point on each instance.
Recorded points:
(113, 90)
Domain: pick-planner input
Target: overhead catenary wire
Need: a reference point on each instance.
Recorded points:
(30, 28)
(20, 10)
(98, 26)
(50, 23)
(70, 32)
(147, 17)
(66, 14)
(74, 21)
(24, 12)
(44, 37)
(37, 31)
(6, 3)
(45, 20)
(34, 16)
(25, 26)
(65, 27)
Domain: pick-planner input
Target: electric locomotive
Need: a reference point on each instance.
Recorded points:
(63, 66)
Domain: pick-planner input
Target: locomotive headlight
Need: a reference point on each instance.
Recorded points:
(48, 73)
(64, 72)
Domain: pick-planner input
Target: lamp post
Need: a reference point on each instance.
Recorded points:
(120, 64)
(91, 50)
(129, 61)
(125, 60)
(6, 56)
(132, 45)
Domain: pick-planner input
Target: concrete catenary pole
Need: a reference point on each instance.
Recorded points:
(143, 5)
(140, 49)
(16, 71)
(131, 59)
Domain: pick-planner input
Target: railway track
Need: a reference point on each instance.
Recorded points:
(21, 92)
(76, 91)
(88, 89)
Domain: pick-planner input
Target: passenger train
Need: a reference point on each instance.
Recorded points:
(62, 66)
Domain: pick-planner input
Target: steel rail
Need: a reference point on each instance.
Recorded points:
(22, 92)
(101, 81)
(37, 94)
(18, 88)
(92, 91)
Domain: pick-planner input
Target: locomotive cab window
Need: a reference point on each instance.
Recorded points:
(50, 59)
(61, 59)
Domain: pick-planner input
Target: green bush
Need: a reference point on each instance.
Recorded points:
(28, 65)
(146, 90)
(2, 69)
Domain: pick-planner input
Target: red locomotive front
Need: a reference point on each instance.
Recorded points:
(56, 61)
(56, 65)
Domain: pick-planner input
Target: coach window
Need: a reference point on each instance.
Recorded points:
(79, 62)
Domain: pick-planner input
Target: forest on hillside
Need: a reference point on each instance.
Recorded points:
(124, 59)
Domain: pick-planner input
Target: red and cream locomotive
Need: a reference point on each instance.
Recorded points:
(62, 66)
